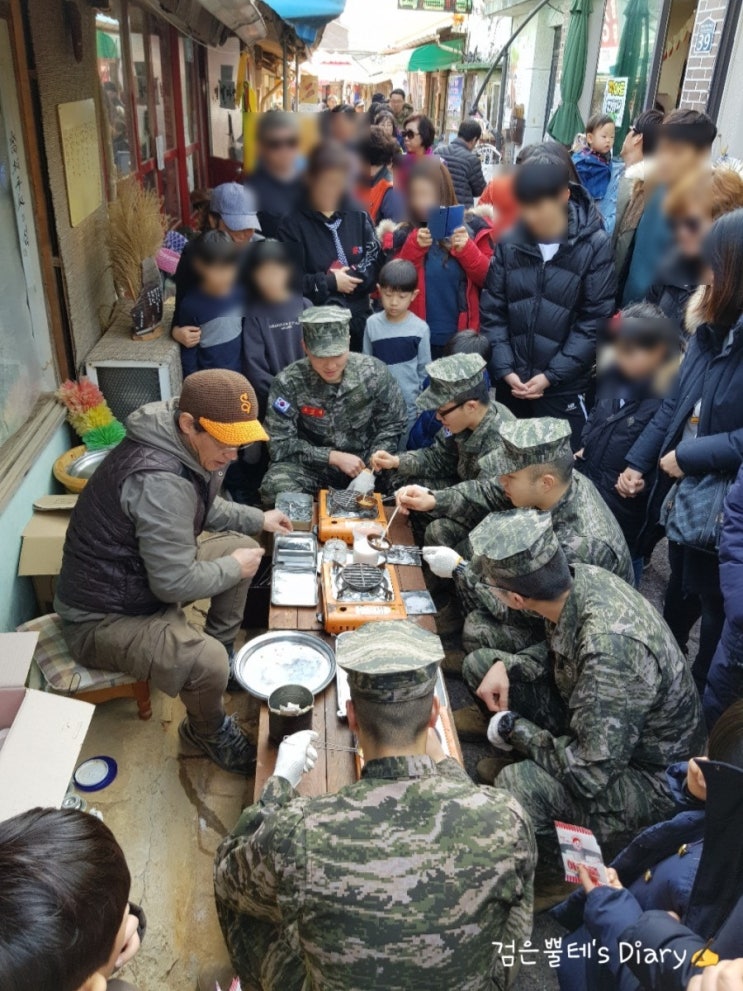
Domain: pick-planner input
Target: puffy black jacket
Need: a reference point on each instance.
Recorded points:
(675, 283)
(621, 413)
(465, 169)
(545, 316)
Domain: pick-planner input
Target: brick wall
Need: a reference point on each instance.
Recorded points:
(699, 68)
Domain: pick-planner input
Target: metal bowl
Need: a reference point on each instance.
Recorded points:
(284, 657)
(86, 464)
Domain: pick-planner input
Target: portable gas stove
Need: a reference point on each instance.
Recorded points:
(340, 511)
(354, 594)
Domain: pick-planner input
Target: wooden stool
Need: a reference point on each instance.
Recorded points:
(62, 674)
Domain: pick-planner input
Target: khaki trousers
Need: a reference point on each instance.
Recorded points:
(164, 648)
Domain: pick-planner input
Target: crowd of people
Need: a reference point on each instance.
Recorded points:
(546, 371)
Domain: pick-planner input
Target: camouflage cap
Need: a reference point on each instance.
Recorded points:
(326, 330)
(511, 545)
(451, 377)
(393, 661)
(528, 442)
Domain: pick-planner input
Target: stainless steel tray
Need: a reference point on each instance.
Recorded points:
(294, 572)
(284, 657)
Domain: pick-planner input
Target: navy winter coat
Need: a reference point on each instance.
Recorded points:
(712, 371)
(713, 925)
(725, 679)
(545, 317)
(609, 433)
(707, 891)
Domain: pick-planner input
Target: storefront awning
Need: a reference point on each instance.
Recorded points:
(431, 58)
(307, 17)
(106, 45)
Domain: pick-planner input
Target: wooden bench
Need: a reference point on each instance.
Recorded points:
(335, 768)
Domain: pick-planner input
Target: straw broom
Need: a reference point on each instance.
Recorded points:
(136, 228)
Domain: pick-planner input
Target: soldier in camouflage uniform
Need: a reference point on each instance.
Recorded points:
(470, 429)
(402, 881)
(329, 411)
(533, 469)
(619, 702)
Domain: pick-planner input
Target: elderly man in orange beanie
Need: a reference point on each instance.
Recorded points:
(133, 556)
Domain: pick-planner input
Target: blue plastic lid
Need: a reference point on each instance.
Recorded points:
(95, 773)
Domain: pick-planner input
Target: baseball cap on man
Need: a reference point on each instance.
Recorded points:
(224, 404)
(236, 205)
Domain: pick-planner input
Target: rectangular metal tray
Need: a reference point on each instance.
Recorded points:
(294, 572)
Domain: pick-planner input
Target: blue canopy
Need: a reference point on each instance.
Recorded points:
(307, 17)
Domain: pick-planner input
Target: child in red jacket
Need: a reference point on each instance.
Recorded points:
(450, 272)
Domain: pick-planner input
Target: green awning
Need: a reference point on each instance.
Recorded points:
(106, 45)
(431, 58)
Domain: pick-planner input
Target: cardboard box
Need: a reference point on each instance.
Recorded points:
(46, 732)
(42, 543)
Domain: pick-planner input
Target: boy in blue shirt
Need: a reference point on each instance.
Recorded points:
(397, 337)
(214, 305)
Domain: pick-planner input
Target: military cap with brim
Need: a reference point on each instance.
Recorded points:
(394, 661)
(326, 330)
(451, 377)
(528, 442)
(224, 404)
(512, 545)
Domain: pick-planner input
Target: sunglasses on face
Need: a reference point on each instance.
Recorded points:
(409, 135)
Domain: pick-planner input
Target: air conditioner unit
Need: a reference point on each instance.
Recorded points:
(131, 373)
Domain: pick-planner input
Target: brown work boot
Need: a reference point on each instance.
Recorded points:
(452, 663)
(471, 723)
(489, 768)
(449, 619)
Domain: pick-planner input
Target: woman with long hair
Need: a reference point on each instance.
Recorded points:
(698, 432)
(451, 272)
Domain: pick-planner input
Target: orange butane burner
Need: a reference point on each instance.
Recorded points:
(340, 510)
(354, 594)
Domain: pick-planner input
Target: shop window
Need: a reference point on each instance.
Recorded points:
(26, 366)
(625, 57)
(117, 123)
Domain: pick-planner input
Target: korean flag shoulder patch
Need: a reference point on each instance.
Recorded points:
(282, 406)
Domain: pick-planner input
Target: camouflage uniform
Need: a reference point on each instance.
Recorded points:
(587, 533)
(308, 418)
(400, 881)
(621, 696)
(585, 527)
(452, 458)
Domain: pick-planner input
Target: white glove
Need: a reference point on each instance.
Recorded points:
(441, 560)
(296, 756)
(494, 736)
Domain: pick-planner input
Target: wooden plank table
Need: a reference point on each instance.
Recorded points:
(335, 768)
